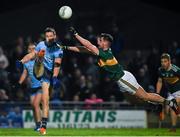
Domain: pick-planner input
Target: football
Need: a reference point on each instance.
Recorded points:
(65, 12)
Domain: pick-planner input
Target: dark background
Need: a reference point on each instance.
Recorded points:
(141, 22)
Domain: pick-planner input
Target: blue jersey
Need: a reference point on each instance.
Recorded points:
(29, 67)
(50, 54)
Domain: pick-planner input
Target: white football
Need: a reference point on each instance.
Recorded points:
(65, 12)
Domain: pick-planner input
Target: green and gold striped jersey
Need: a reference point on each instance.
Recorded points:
(109, 65)
(171, 77)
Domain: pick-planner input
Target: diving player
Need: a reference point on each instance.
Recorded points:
(110, 66)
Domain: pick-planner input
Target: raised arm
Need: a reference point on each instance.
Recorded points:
(79, 49)
(85, 42)
(28, 57)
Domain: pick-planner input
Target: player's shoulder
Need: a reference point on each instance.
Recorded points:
(175, 68)
(58, 47)
(41, 43)
(101, 51)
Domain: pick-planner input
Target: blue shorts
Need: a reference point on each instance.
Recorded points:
(35, 91)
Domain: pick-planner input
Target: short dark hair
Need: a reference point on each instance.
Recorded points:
(165, 56)
(106, 36)
(50, 29)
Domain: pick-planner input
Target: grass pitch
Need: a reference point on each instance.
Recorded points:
(90, 132)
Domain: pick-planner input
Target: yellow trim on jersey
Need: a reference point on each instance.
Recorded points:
(108, 62)
(171, 80)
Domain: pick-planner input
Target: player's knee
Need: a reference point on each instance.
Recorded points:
(35, 104)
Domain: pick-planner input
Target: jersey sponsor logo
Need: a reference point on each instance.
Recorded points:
(108, 62)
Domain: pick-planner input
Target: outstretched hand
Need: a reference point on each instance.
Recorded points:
(63, 47)
(73, 31)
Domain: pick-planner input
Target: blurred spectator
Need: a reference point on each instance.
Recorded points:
(19, 48)
(3, 119)
(118, 41)
(90, 33)
(3, 60)
(136, 63)
(153, 62)
(56, 98)
(73, 66)
(3, 95)
(4, 80)
(91, 69)
(93, 101)
(112, 100)
(174, 51)
(143, 78)
(76, 101)
(151, 89)
(20, 96)
(90, 82)
(82, 89)
(17, 120)
(57, 95)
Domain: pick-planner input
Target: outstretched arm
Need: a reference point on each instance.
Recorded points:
(79, 49)
(28, 57)
(85, 42)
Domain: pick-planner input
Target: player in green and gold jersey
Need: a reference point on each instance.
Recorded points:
(110, 66)
(169, 74)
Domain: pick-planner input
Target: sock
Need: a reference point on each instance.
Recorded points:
(44, 122)
(38, 124)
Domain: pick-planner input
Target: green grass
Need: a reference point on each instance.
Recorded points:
(90, 132)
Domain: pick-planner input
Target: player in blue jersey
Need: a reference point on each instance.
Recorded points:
(48, 59)
(36, 92)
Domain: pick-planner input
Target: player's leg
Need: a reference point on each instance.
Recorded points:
(31, 102)
(129, 83)
(153, 97)
(173, 115)
(173, 121)
(37, 110)
(35, 99)
(45, 106)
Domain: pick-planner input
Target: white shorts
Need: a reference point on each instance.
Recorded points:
(128, 83)
(173, 95)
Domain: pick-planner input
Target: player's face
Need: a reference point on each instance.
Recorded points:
(31, 48)
(165, 63)
(100, 42)
(50, 37)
